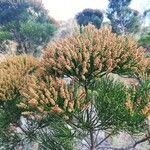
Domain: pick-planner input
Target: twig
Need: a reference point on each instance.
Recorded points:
(138, 142)
(104, 139)
(129, 147)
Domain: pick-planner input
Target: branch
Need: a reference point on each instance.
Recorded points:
(138, 142)
(110, 148)
(104, 139)
(129, 147)
(106, 122)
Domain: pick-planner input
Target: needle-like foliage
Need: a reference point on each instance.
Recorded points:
(56, 114)
(92, 53)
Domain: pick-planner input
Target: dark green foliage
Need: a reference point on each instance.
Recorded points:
(112, 98)
(145, 41)
(8, 121)
(90, 16)
(4, 36)
(28, 24)
(56, 135)
(51, 133)
(36, 34)
(123, 19)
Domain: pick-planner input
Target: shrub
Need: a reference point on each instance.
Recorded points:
(93, 53)
(88, 104)
(13, 72)
(44, 95)
(13, 75)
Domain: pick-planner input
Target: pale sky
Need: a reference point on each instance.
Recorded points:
(66, 9)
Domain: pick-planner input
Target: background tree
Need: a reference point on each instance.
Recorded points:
(147, 12)
(27, 23)
(90, 16)
(4, 38)
(144, 39)
(145, 42)
(123, 19)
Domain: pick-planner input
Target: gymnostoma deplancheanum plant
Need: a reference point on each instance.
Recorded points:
(87, 102)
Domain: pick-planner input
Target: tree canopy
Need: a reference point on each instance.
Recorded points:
(90, 16)
(123, 19)
(27, 23)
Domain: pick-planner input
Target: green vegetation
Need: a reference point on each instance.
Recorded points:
(69, 97)
(38, 106)
(27, 23)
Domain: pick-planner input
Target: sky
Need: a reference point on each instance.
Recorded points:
(67, 9)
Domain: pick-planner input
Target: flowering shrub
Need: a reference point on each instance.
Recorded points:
(37, 90)
(45, 95)
(13, 73)
(93, 53)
